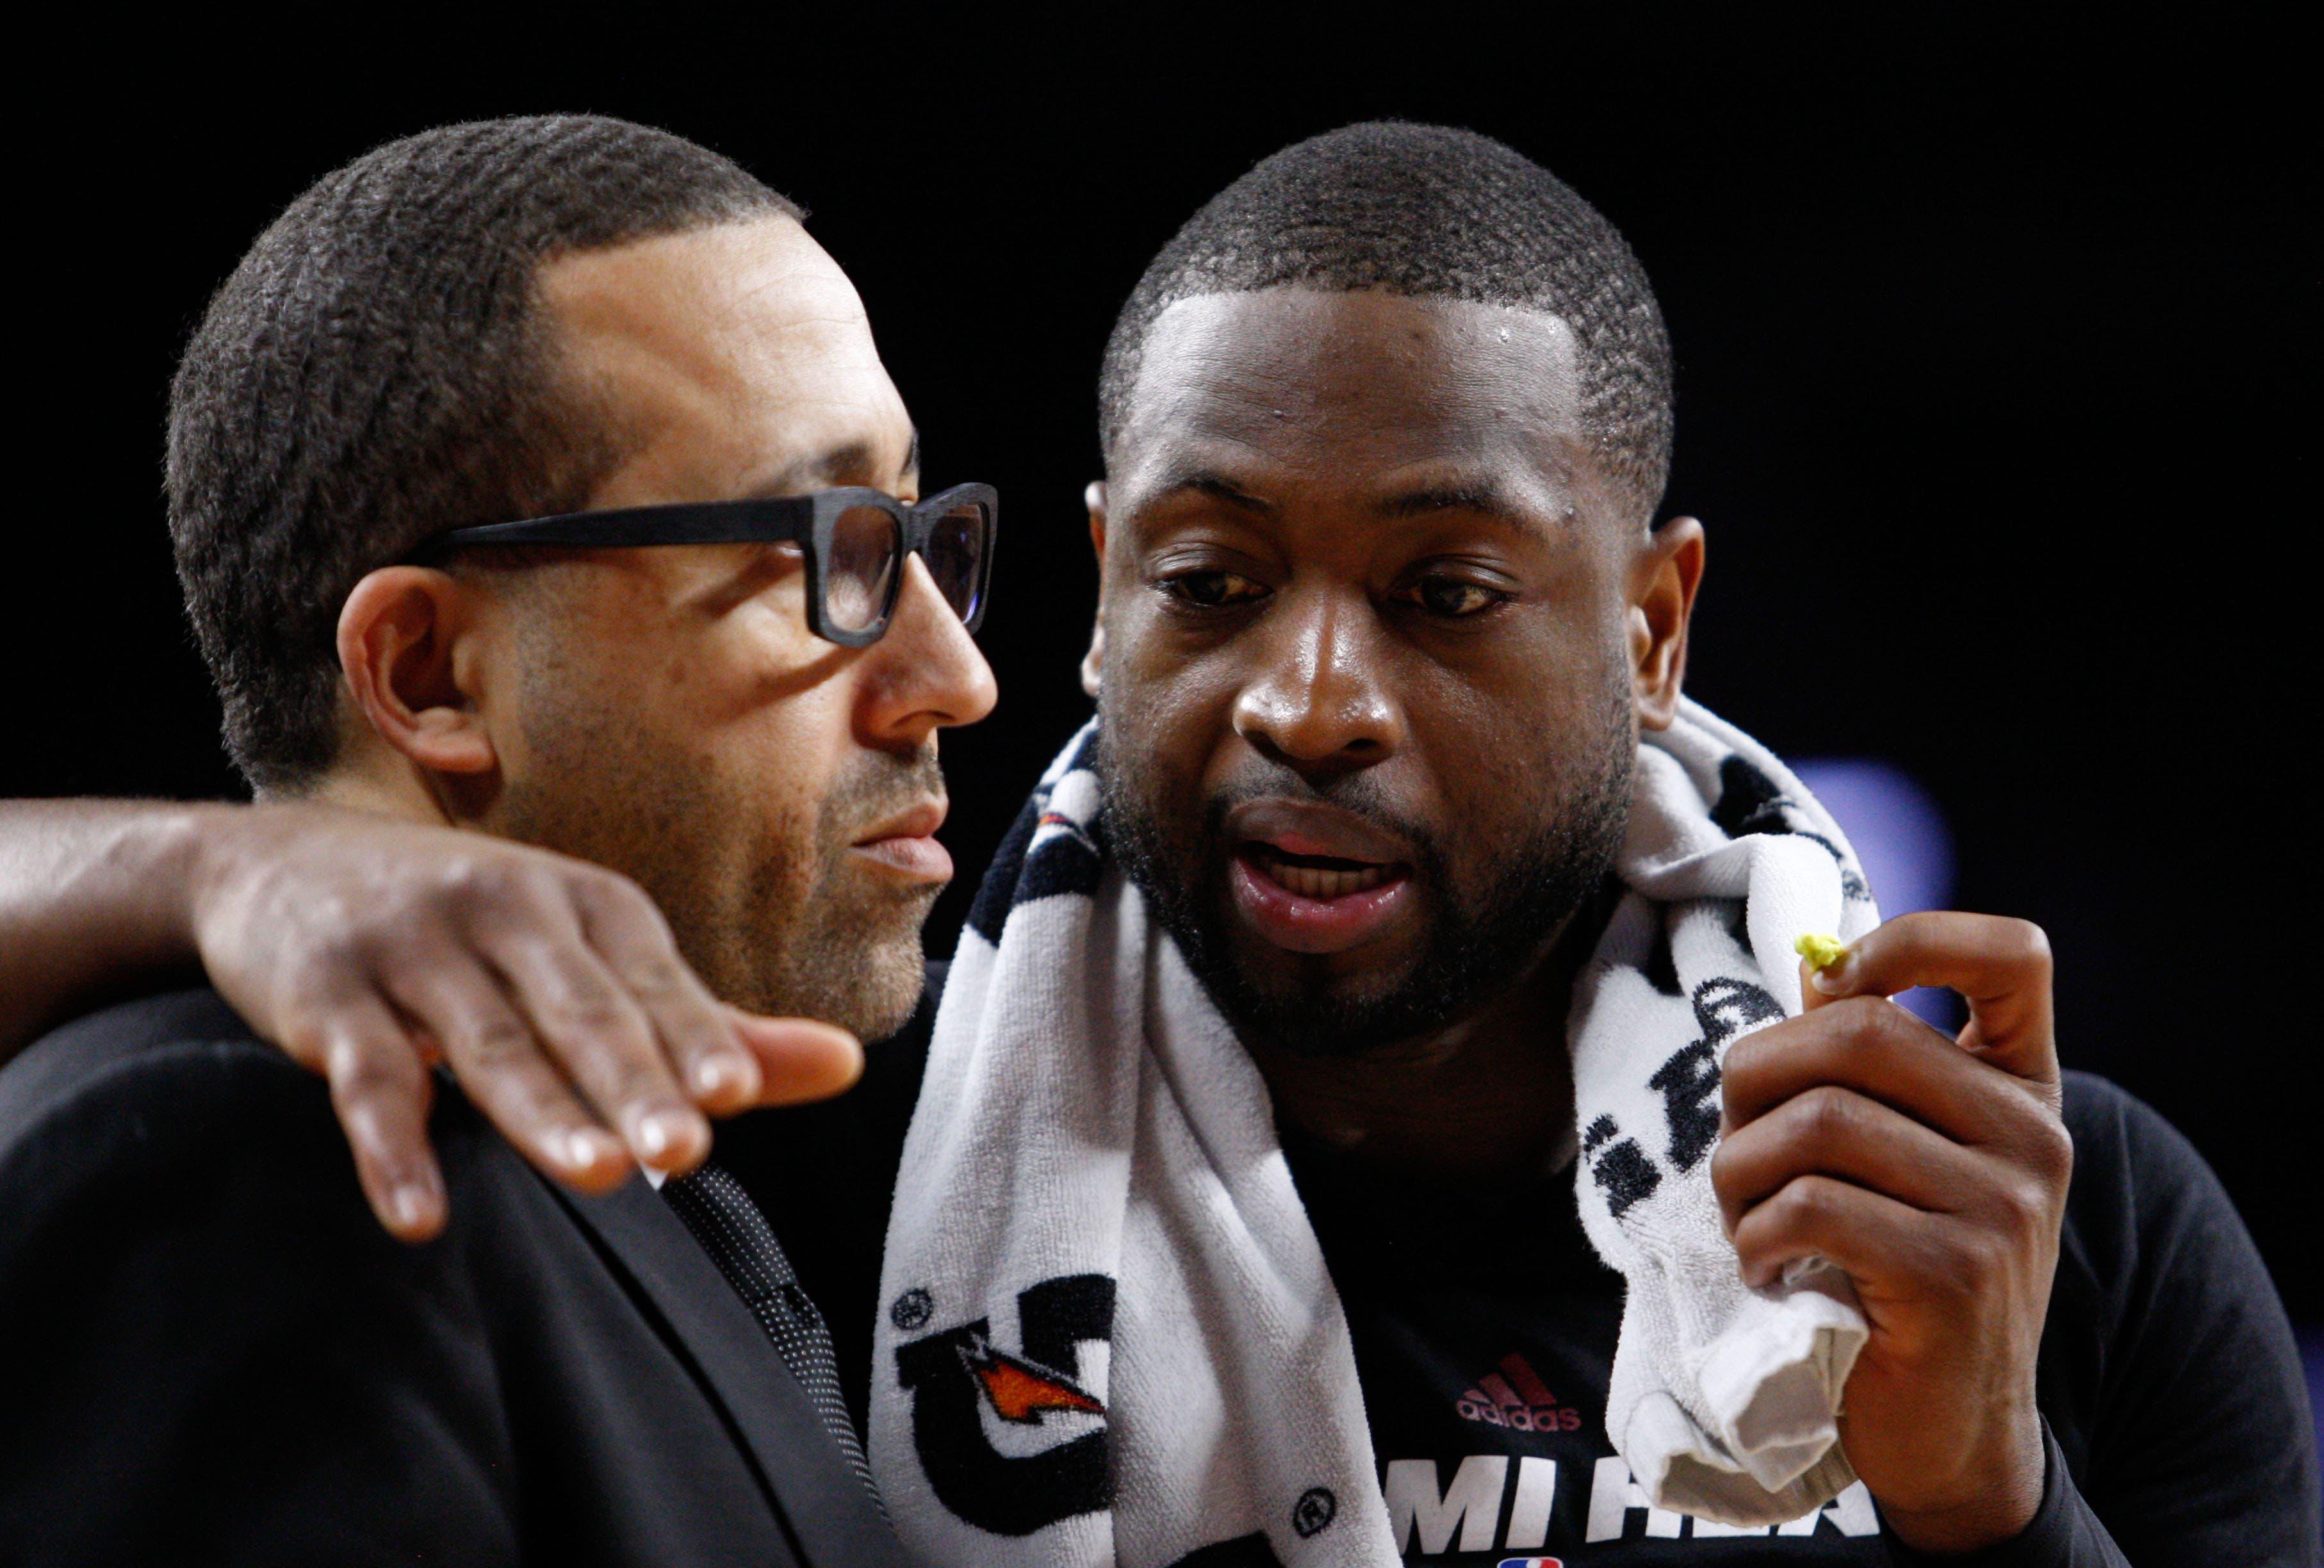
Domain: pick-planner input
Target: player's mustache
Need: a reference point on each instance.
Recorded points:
(1357, 795)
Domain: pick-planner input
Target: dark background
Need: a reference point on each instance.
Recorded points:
(1987, 334)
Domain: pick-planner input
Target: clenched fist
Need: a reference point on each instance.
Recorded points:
(1934, 1172)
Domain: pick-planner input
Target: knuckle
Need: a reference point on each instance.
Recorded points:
(1951, 1264)
(1802, 1205)
(2029, 945)
(306, 1041)
(1724, 1176)
(1744, 1061)
(653, 984)
(367, 1076)
(463, 878)
(1825, 1113)
(2027, 1205)
(499, 1044)
(610, 890)
(632, 1081)
(543, 1107)
(1889, 1028)
(1973, 1253)
(594, 1014)
(2051, 1148)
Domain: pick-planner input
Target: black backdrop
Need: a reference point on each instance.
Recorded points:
(1986, 336)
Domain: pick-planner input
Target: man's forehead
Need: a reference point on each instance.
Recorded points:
(1387, 383)
(740, 351)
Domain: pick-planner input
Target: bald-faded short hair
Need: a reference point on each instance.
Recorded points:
(1432, 212)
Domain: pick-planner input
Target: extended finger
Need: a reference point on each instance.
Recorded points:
(1837, 1133)
(2000, 966)
(505, 1069)
(709, 1062)
(380, 1092)
(1878, 1050)
(596, 1033)
(798, 1059)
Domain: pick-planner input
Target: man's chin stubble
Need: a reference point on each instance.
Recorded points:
(860, 967)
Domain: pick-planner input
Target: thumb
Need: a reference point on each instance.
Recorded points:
(800, 1060)
(2001, 968)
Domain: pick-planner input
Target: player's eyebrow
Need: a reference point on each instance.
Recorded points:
(1213, 485)
(1469, 495)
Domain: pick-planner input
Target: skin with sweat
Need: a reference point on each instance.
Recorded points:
(1370, 618)
(1365, 602)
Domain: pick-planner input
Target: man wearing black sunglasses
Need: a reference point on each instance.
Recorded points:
(535, 479)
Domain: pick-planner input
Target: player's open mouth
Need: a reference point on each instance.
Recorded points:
(1313, 880)
(1316, 876)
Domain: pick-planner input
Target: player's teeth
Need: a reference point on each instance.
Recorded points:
(1319, 882)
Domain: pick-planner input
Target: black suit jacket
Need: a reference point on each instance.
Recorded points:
(210, 1351)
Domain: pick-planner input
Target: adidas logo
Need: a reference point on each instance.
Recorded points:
(1515, 1397)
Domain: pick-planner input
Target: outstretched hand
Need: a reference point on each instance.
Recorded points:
(370, 949)
(1934, 1171)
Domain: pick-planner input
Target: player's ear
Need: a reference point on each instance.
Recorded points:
(401, 635)
(1663, 577)
(1094, 661)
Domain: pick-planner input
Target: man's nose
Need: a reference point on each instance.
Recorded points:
(926, 671)
(1318, 701)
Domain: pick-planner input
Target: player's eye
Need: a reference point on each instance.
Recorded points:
(1454, 599)
(1211, 590)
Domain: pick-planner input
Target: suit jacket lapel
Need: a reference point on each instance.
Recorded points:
(806, 1475)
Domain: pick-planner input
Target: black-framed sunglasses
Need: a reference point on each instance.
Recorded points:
(855, 541)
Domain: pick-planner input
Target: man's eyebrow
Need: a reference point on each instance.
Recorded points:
(853, 462)
(1217, 486)
(1484, 497)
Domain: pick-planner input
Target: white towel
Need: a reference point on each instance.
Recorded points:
(1108, 1336)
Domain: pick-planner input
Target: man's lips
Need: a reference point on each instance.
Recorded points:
(906, 844)
(1314, 878)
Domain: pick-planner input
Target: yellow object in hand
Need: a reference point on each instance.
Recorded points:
(1820, 952)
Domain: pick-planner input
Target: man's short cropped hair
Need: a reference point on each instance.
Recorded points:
(1433, 212)
(375, 373)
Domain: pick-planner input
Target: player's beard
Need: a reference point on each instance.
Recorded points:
(1480, 938)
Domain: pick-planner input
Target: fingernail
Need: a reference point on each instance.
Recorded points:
(720, 1075)
(1833, 978)
(409, 1205)
(660, 1133)
(653, 1136)
(588, 1146)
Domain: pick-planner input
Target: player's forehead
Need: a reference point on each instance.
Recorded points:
(1381, 399)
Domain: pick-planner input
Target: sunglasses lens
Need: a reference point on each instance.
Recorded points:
(955, 555)
(866, 544)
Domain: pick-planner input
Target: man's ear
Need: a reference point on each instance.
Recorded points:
(1663, 577)
(1094, 661)
(401, 635)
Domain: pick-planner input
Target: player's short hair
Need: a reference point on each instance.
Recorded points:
(375, 372)
(1433, 212)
